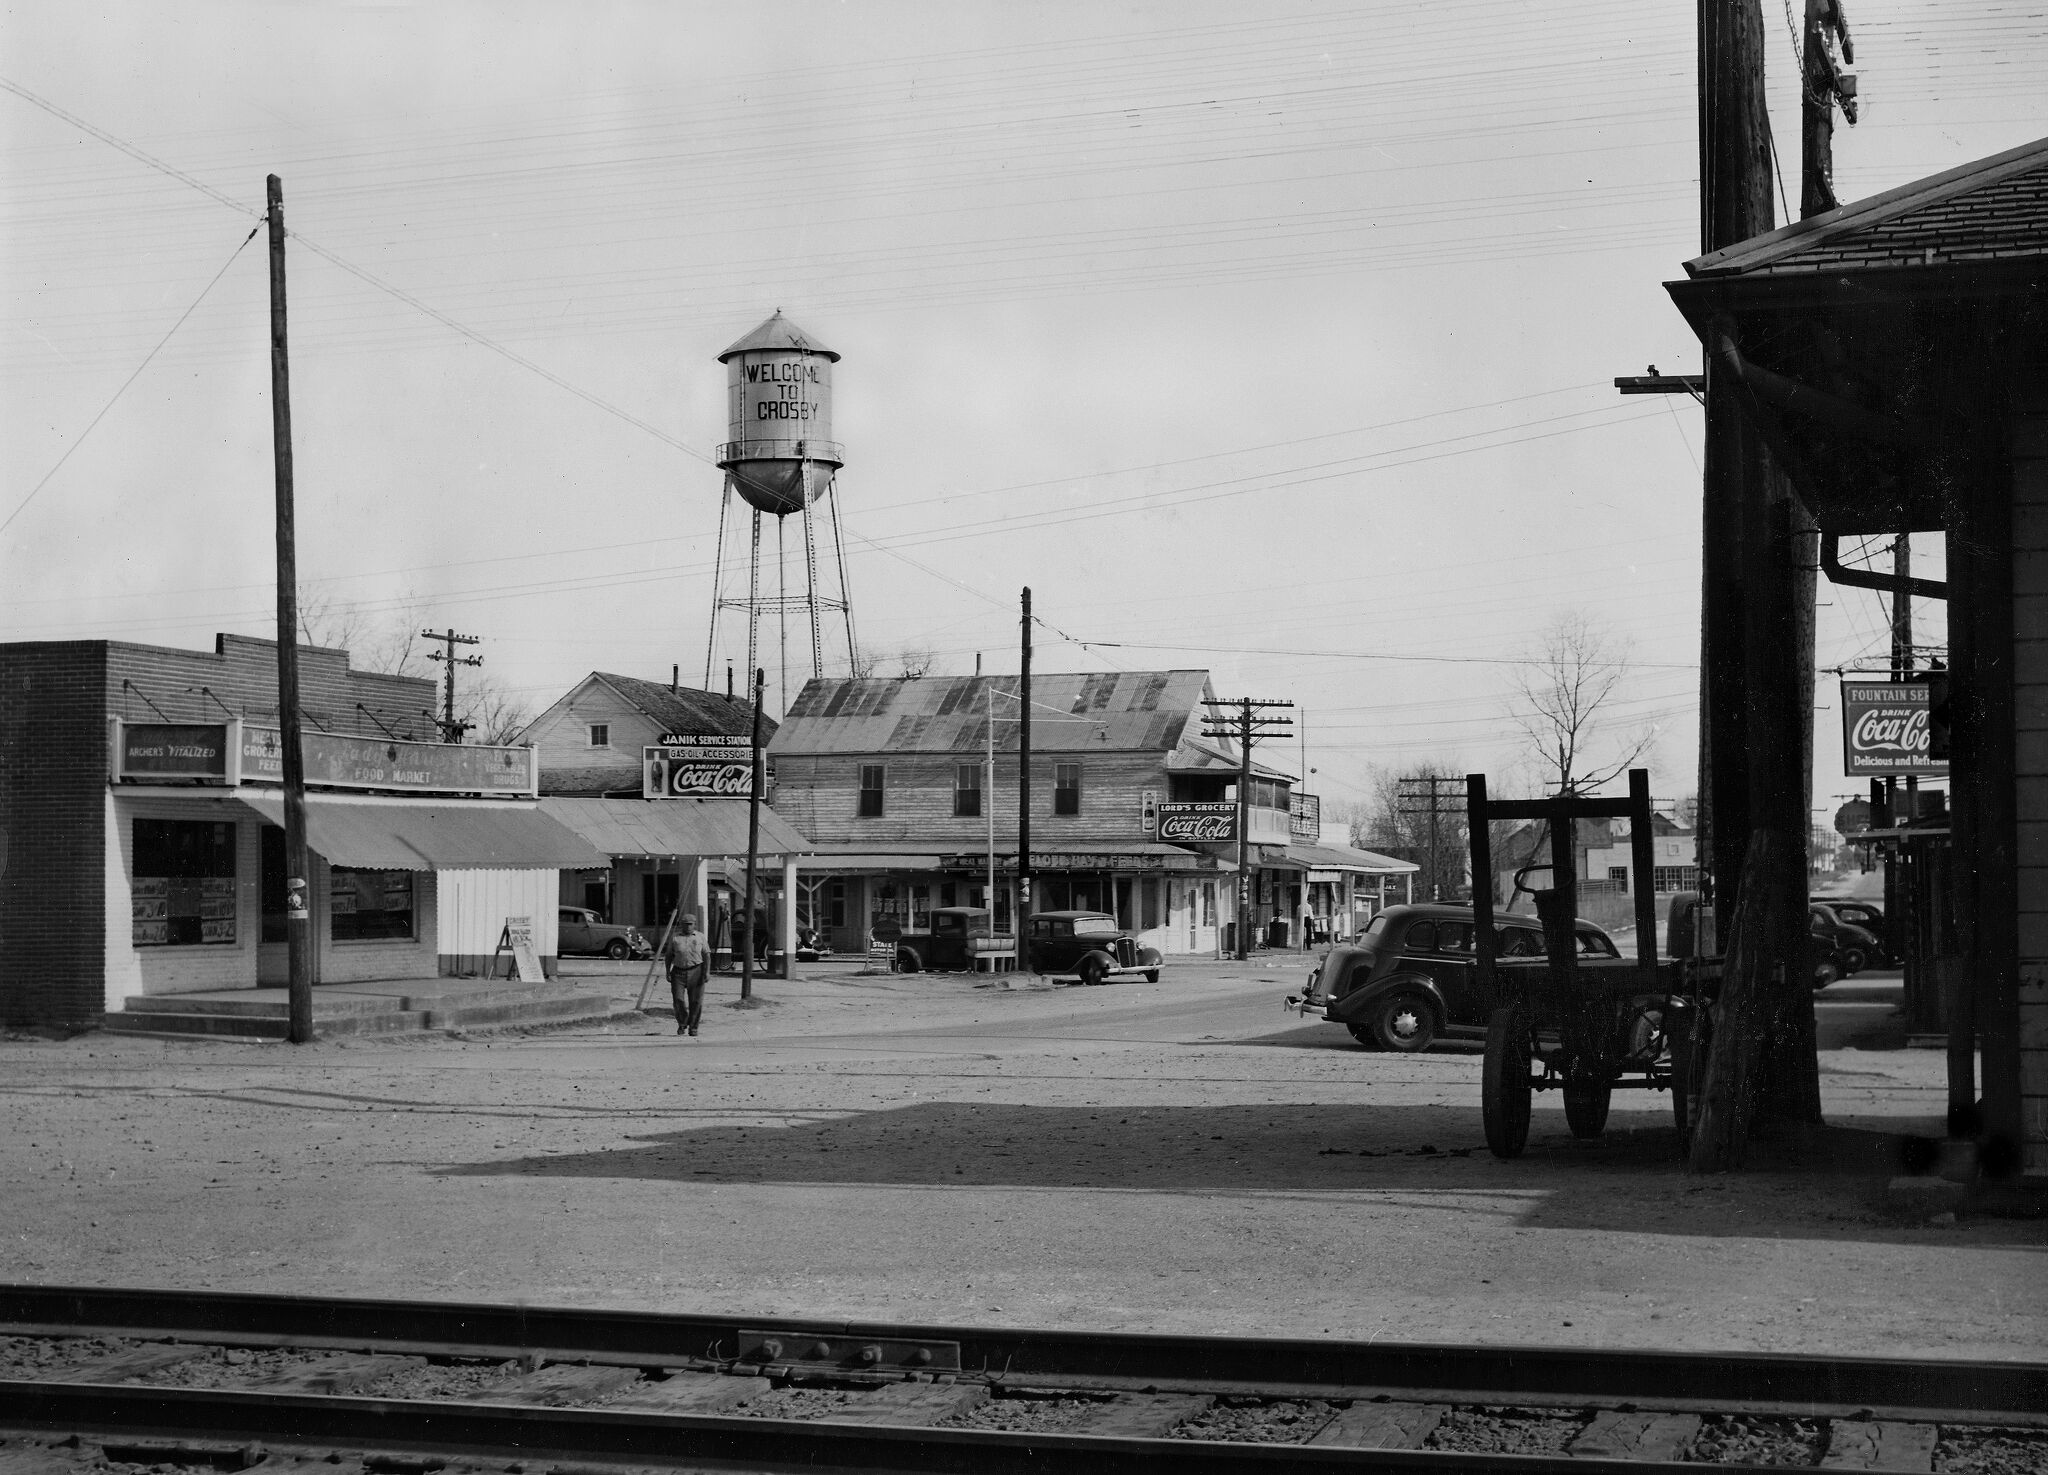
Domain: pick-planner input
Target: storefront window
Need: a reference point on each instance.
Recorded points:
(921, 907)
(368, 906)
(184, 888)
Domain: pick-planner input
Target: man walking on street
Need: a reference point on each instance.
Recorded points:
(688, 966)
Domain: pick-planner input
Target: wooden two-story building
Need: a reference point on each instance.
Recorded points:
(908, 789)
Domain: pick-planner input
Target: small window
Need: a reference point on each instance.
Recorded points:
(1593, 945)
(870, 790)
(1453, 937)
(600, 735)
(1066, 788)
(1421, 937)
(1520, 942)
(1619, 876)
(967, 791)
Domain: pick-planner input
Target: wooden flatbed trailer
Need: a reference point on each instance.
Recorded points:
(1585, 1026)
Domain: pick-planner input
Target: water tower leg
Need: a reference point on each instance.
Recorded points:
(717, 581)
(754, 597)
(845, 594)
(811, 581)
(782, 614)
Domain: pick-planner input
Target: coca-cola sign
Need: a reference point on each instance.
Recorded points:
(1884, 729)
(1188, 824)
(699, 768)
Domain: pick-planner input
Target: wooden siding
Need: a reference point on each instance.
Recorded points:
(562, 733)
(2030, 743)
(820, 796)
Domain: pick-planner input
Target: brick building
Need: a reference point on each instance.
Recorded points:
(141, 848)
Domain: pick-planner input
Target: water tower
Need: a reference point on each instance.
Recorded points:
(780, 459)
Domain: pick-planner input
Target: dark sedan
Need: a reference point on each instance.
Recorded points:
(583, 933)
(1088, 945)
(1413, 974)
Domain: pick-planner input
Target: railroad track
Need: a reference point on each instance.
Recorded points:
(94, 1380)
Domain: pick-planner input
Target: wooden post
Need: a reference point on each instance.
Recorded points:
(1244, 826)
(1481, 837)
(746, 909)
(298, 913)
(1024, 783)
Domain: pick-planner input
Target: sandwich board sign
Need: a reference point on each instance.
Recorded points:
(518, 937)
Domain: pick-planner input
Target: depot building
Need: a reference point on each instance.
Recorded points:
(141, 841)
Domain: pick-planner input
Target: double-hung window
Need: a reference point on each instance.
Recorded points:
(967, 790)
(1066, 788)
(871, 775)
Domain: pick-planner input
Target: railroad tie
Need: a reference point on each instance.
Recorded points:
(559, 1385)
(1854, 1444)
(1382, 1425)
(1140, 1415)
(911, 1404)
(136, 1362)
(1636, 1436)
(338, 1375)
(690, 1393)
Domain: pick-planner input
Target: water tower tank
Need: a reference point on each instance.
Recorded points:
(779, 396)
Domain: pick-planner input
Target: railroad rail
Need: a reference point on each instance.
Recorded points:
(92, 1379)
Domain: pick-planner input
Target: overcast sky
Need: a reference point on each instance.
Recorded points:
(1273, 339)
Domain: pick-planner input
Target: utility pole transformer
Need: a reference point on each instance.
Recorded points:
(451, 730)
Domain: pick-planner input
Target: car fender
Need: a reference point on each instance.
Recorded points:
(1108, 959)
(1150, 957)
(1355, 1005)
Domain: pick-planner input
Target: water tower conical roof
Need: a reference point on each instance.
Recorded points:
(779, 332)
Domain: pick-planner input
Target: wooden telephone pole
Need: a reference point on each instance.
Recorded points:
(1756, 659)
(298, 922)
(1245, 728)
(1023, 782)
(451, 730)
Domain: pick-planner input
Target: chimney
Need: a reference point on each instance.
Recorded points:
(728, 681)
(675, 679)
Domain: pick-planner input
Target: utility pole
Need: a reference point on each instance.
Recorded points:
(451, 730)
(1024, 781)
(298, 923)
(1822, 85)
(1245, 728)
(1444, 796)
(754, 840)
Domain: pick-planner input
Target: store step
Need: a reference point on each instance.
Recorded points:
(263, 1014)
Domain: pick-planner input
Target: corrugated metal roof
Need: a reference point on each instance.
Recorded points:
(779, 332)
(647, 827)
(1993, 209)
(1116, 711)
(1349, 858)
(413, 835)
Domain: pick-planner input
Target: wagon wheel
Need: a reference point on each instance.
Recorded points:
(1585, 1105)
(1689, 1045)
(1504, 1083)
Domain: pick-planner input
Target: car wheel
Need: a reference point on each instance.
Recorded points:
(1853, 961)
(1091, 971)
(1585, 1107)
(1404, 1021)
(906, 961)
(1825, 972)
(617, 950)
(1364, 1035)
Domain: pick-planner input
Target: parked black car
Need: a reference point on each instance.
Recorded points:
(1865, 918)
(1682, 932)
(1413, 975)
(583, 933)
(956, 935)
(1089, 945)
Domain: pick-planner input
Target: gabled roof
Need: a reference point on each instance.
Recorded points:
(591, 782)
(1113, 711)
(1991, 210)
(779, 333)
(685, 709)
(1197, 755)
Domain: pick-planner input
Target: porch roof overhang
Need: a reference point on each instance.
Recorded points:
(426, 835)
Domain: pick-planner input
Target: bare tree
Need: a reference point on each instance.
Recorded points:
(495, 713)
(1561, 703)
(908, 662)
(380, 638)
